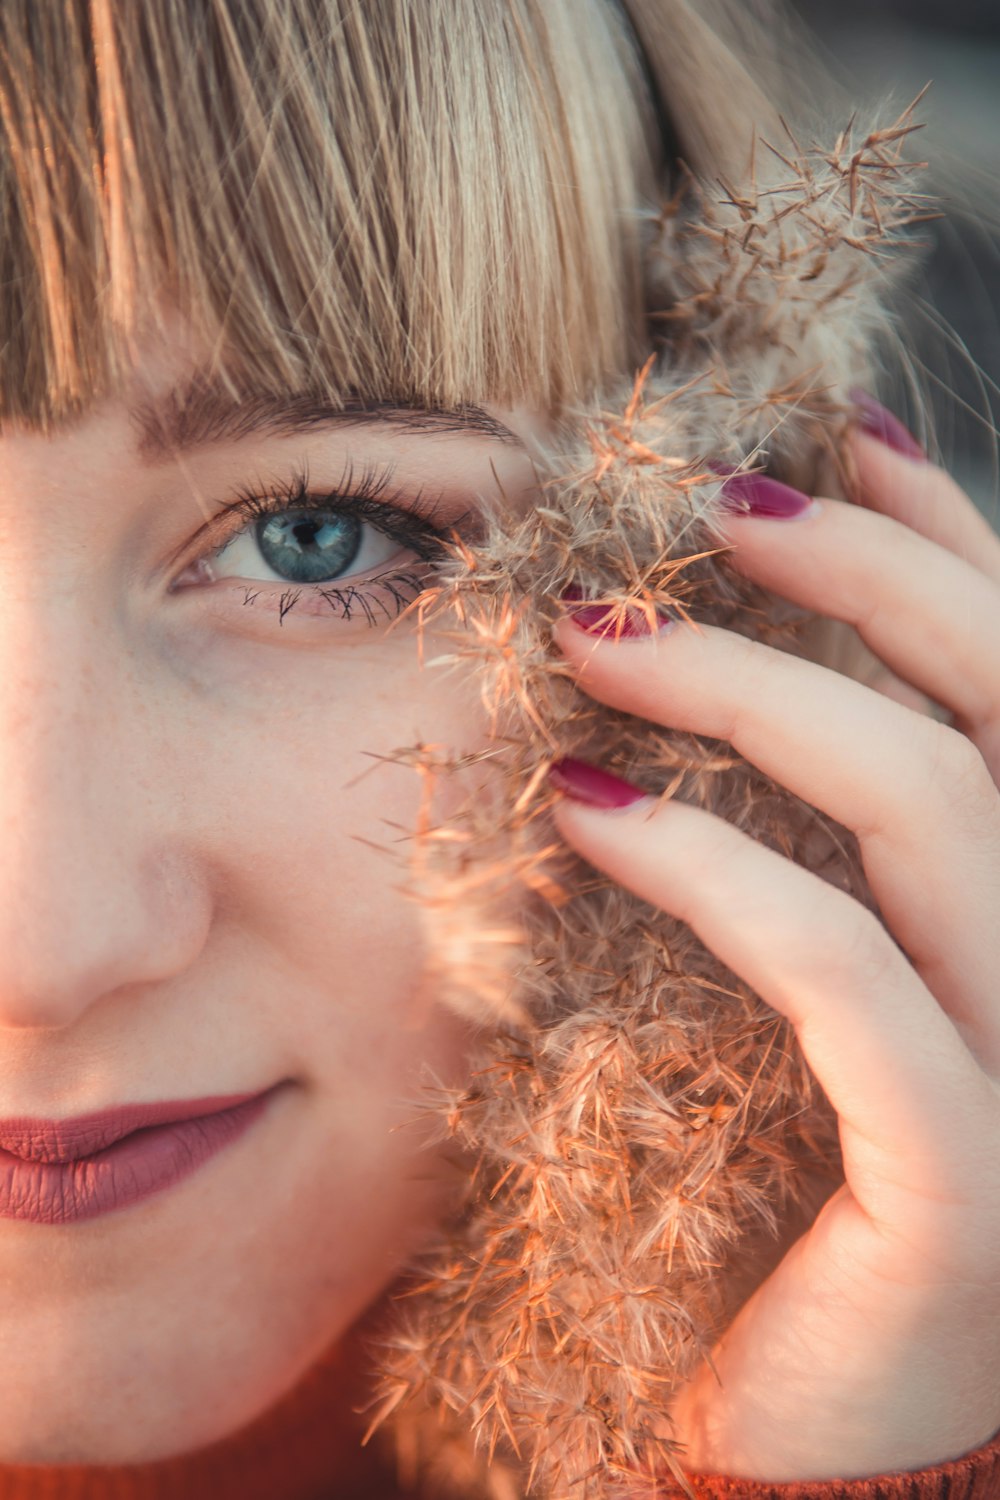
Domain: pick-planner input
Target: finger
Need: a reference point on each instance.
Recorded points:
(926, 613)
(926, 499)
(899, 1075)
(886, 682)
(916, 793)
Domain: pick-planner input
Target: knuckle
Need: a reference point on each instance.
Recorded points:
(717, 848)
(958, 768)
(758, 662)
(751, 674)
(857, 950)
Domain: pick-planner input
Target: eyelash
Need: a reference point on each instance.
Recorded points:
(365, 498)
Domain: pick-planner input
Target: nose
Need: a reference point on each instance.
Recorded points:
(94, 891)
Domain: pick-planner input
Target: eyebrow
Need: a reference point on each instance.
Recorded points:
(200, 413)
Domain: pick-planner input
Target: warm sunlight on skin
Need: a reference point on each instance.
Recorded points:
(188, 910)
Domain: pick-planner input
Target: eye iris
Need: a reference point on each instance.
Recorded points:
(312, 547)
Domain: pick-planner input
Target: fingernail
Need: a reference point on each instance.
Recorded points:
(874, 418)
(758, 495)
(599, 619)
(586, 783)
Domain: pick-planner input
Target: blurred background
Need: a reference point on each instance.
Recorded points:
(892, 48)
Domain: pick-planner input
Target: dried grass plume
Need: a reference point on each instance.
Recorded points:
(647, 1137)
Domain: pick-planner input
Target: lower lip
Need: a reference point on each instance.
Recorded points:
(146, 1162)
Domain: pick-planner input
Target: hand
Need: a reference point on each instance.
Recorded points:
(875, 1345)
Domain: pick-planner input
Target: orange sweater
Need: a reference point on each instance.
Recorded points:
(295, 1451)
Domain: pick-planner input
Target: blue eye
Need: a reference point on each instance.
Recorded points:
(306, 546)
(318, 547)
(323, 547)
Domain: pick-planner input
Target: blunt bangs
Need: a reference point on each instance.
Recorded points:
(430, 201)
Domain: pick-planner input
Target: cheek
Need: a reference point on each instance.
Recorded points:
(330, 955)
(332, 813)
(308, 824)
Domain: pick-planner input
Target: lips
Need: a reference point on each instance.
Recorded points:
(33, 1139)
(56, 1172)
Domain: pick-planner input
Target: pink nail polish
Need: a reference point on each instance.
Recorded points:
(875, 419)
(586, 783)
(759, 495)
(599, 619)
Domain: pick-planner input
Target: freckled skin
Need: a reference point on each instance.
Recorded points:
(186, 908)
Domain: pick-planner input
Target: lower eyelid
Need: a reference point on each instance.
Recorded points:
(365, 599)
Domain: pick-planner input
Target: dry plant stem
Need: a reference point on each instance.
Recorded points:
(646, 1136)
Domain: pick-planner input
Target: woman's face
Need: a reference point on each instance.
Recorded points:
(191, 905)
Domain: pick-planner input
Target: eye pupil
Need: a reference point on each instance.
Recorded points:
(312, 547)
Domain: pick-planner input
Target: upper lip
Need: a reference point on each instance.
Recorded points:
(35, 1139)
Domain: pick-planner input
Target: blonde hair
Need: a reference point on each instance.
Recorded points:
(400, 199)
(432, 201)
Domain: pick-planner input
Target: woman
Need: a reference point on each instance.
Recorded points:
(325, 373)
